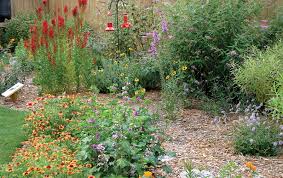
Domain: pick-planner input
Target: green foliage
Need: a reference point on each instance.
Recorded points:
(257, 139)
(113, 75)
(276, 103)
(118, 139)
(19, 68)
(210, 35)
(260, 73)
(17, 28)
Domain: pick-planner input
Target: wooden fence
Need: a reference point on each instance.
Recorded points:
(96, 10)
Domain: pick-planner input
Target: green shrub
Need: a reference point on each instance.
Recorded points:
(260, 73)
(209, 35)
(142, 72)
(256, 138)
(118, 139)
(276, 103)
(17, 28)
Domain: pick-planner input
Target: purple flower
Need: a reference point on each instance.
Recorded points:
(155, 36)
(135, 113)
(153, 49)
(98, 147)
(138, 98)
(97, 136)
(281, 127)
(280, 143)
(164, 25)
(91, 120)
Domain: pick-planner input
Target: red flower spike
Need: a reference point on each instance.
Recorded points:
(61, 21)
(82, 3)
(126, 24)
(45, 27)
(39, 12)
(33, 29)
(26, 44)
(109, 27)
(70, 33)
(53, 21)
(75, 11)
(65, 9)
(44, 2)
(51, 33)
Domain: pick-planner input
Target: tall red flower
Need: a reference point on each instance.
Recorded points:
(26, 44)
(86, 36)
(82, 3)
(33, 45)
(75, 11)
(70, 33)
(44, 2)
(39, 12)
(43, 42)
(65, 9)
(53, 21)
(51, 32)
(33, 29)
(61, 21)
(45, 27)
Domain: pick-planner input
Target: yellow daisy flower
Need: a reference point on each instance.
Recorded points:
(137, 80)
(184, 68)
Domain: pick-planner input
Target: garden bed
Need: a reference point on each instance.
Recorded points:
(194, 136)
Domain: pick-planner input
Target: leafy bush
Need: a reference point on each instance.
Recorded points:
(257, 138)
(62, 61)
(134, 73)
(260, 73)
(17, 28)
(118, 139)
(209, 35)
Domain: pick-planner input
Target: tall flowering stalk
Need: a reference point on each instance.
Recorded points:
(63, 61)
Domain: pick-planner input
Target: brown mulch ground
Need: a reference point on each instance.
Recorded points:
(193, 136)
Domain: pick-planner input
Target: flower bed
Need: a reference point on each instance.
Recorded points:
(70, 136)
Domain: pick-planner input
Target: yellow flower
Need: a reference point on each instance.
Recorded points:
(131, 49)
(137, 80)
(167, 77)
(143, 90)
(147, 174)
(122, 74)
(173, 73)
(184, 68)
(100, 70)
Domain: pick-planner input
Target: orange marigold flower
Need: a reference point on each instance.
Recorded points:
(250, 166)
(88, 165)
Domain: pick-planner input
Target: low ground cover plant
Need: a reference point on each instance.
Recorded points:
(70, 136)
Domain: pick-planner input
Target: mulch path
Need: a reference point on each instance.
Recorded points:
(193, 136)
